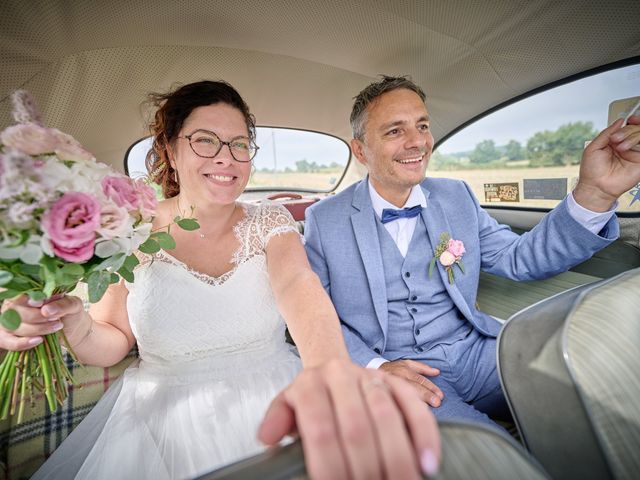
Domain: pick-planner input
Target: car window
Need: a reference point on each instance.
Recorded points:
(527, 154)
(288, 159)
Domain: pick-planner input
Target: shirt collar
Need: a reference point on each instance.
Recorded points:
(416, 197)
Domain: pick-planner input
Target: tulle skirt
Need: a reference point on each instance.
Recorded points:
(175, 421)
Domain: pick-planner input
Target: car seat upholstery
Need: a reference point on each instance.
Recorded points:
(569, 367)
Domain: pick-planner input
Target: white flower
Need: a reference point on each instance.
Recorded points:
(56, 176)
(20, 215)
(87, 177)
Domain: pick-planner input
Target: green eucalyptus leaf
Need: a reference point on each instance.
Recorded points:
(49, 282)
(73, 269)
(8, 294)
(131, 262)
(188, 224)
(460, 265)
(37, 295)
(5, 277)
(19, 284)
(126, 274)
(113, 263)
(150, 246)
(432, 264)
(67, 280)
(32, 271)
(165, 240)
(115, 278)
(98, 282)
(10, 319)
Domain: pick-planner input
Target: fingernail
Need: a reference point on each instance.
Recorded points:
(429, 463)
(57, 326)
(34, 303)
(51, 310)
(34, 341)
(435, 401)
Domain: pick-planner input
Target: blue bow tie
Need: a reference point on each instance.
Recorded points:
(390, 214)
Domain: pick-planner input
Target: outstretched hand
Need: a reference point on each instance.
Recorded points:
(610, 166)
(355, 423)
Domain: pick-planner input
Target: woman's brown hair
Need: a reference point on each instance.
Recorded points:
(172, 109)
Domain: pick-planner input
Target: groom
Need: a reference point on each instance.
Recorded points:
(411, 312)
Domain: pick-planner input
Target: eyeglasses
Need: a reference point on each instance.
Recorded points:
(207, 144)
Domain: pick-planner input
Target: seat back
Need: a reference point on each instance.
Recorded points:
(570, 368)
(469, 452)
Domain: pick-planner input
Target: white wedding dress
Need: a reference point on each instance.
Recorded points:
(212, 357)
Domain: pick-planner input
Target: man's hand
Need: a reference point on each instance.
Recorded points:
(415, 373)
(355, 423)
(610, 166)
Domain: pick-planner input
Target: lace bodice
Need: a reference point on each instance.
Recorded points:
(178, 314)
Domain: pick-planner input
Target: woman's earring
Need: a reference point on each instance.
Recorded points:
(175, 176)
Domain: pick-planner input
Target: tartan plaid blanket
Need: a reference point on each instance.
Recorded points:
(24, 447)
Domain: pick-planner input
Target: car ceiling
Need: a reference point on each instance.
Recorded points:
(298, 63)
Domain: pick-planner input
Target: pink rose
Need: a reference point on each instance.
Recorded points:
(71, 225)
(121, 190)
(456, 248)
(148, 200)
(114, 221)
(30, 138)
(447, 258)
(68, 148)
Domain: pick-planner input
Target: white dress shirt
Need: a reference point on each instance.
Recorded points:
(401, 230)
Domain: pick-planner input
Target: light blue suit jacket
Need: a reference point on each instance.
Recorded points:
(343, 247)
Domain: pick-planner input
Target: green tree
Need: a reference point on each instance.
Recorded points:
(303, 166)
(439, 161)
(484, 152)
(563, 146)
(513, 150)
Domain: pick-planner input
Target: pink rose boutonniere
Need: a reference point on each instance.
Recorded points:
(449, 252)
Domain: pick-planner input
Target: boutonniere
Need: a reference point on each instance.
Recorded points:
(449, 253)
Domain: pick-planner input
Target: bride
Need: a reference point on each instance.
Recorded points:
(208, 321)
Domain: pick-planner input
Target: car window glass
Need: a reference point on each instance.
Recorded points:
(288, 159)
(527, 154)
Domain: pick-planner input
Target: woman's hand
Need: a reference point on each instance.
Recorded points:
(38, 320)
(355, 423)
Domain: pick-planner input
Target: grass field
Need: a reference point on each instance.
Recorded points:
(475, 178)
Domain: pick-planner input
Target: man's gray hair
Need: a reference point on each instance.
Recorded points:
(371, 92)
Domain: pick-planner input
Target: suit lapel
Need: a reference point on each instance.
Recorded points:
(366, 234)
(436, 222)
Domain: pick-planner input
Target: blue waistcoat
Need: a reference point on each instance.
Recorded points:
(421, 312)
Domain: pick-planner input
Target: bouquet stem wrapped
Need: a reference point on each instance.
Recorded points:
(64, 219)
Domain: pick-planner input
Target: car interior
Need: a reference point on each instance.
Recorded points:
(514, 91)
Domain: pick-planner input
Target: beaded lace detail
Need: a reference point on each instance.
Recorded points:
(259, 224)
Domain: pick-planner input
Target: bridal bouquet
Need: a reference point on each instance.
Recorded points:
(64, 219)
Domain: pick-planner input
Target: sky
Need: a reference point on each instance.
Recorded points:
(583, 100)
